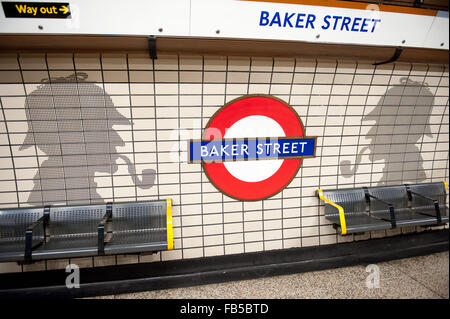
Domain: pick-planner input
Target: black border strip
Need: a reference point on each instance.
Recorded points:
(191, 272)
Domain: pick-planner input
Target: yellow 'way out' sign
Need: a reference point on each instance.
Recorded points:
(42, 10)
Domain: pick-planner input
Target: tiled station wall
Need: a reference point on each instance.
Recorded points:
(153, 108)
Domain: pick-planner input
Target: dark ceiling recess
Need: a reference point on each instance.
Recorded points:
(424, 4)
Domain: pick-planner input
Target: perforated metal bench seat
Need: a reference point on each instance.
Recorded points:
(67, 247)
(13, 229)
(140, 227)
(12, 250)
(384, 207)
(132, 242)
(73, 232)
(407, 218)
(425, 197)
(361, 223)
(346, 209)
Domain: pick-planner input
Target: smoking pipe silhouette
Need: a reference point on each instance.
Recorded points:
(148, 175)
(345, 168)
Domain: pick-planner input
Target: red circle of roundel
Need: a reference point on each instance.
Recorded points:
(232, 112)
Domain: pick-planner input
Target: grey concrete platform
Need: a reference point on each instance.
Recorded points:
(424, 277)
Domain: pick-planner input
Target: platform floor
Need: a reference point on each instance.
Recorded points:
(421, 277)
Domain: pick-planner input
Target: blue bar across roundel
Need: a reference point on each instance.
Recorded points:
(251, 149)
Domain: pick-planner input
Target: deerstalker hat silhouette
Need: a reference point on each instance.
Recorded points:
(409, 99)
(71, 101)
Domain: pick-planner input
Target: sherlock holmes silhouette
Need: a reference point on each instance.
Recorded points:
(71, 121)
(401, 120)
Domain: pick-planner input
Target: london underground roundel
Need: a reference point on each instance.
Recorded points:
(252, 147)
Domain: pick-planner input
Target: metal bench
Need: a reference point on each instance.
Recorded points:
(366, 209)
(30, 234)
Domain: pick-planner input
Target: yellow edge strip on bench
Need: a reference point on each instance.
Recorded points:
(446, 185)
(341, 211)
(169, 224)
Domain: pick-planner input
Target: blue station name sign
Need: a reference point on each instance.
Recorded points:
(222, 150)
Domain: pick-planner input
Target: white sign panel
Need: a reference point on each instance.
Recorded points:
(277, 21)
(107, 17)
(438, 32)
(236, 19)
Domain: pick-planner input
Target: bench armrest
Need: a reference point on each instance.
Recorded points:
(36, 227)
(423, 196)
(380, 200)
(169, 224)
(435, 203)
(389, 205)
(101, 238)
(101, 229)
(339, 208)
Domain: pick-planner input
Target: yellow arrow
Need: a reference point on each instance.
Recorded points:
(64, 9)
